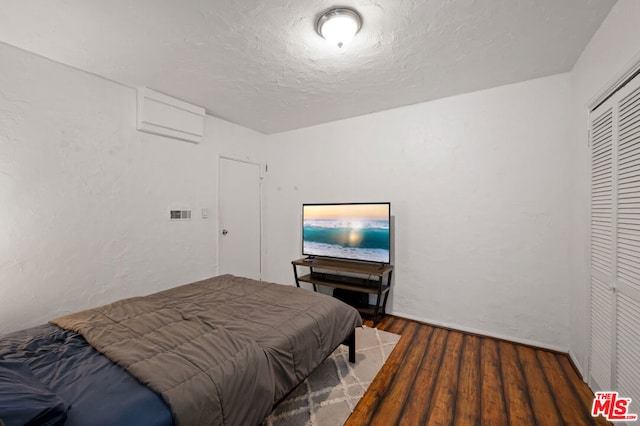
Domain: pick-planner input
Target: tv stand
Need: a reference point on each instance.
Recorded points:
(367, 278)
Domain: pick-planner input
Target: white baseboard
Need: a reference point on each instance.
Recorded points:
(483, 332)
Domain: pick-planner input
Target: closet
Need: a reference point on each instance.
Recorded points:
(614, 137)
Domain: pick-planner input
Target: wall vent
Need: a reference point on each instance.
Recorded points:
(179, 214)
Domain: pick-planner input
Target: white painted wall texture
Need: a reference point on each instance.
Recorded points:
(479, 187)
(612, 51)
(84, 197)
(490, 201)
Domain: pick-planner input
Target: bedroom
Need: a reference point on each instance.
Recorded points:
(489, 190)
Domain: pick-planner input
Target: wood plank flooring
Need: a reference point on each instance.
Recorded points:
(437, 376)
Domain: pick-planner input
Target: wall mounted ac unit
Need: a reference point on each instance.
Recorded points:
(163, 115)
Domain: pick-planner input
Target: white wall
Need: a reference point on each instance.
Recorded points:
(84, 197)
(490, 201)
(612, 51)
(479, 190)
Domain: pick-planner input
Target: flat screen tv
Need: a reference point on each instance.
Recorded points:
(354, 231)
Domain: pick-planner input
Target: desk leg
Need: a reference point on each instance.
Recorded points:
(386, 296)
(351, 342)
(295, 275)
(314, 284)
(377, 308)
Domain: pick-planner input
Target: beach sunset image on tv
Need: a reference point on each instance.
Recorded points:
(347, 231)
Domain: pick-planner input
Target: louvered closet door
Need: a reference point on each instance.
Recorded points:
(602, 253)
(615, 243)
(627, 353)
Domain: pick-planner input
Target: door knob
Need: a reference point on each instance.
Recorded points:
(225, 232)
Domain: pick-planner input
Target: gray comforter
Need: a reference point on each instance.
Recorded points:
(220, 351)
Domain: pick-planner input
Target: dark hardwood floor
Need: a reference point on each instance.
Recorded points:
(437, 376)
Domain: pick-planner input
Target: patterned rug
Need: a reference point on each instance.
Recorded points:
(330, 393)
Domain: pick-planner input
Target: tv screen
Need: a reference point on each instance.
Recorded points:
(357, 231)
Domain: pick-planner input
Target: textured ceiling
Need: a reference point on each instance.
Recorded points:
(261, 64)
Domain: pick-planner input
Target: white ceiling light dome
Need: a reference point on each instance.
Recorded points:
(339, 25)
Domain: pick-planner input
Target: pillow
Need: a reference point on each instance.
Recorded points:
(24, 400)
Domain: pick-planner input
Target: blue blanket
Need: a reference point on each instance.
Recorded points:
(96, 391)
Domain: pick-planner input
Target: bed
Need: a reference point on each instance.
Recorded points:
(221, 351)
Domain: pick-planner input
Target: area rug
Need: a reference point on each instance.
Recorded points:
(331, 392)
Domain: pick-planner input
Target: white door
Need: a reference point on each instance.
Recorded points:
(239, 230)
(615, 244)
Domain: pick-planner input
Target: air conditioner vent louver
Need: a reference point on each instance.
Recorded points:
(179, 214)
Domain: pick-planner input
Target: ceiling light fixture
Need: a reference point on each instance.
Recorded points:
(339, 25)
